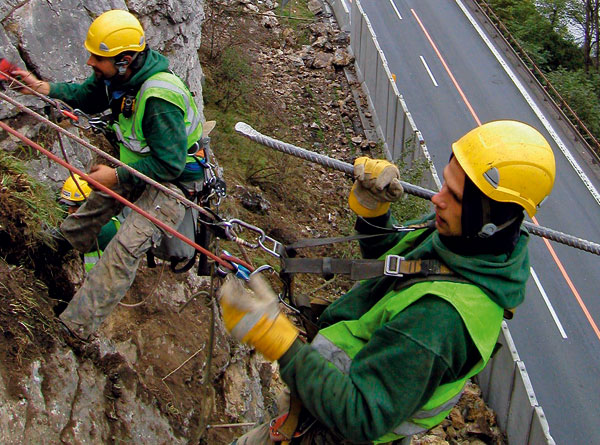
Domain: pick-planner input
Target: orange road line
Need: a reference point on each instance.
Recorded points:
(460, 91)
(548, 245)
(570, 284)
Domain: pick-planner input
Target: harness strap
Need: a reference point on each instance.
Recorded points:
(362, 269)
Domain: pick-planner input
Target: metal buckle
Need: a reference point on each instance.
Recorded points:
(392, 265)
(276, 245)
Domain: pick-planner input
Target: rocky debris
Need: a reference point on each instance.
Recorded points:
(315, 7)
(470, 422)
(252, 200)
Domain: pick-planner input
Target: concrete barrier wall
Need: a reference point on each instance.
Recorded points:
(342, 13)
(504, 382)
(506, 387)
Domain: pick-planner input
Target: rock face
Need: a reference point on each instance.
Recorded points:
(143, 379)
(47, 37)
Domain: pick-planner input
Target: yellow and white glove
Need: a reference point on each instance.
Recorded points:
(253, 316)
(376, 185)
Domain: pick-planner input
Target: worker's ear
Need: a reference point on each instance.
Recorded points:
(123, 64)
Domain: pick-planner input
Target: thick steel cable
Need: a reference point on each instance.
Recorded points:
(317, 158)
(116, 196)
(112, 159)
(326, 161)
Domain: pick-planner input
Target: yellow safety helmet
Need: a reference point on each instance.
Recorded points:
(509, 161)
(113, 32)
(70, 194)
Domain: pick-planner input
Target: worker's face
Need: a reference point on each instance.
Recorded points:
(448, 201)
(104, 67)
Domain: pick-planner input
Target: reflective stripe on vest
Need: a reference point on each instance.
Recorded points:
(90, 259)
(166, 86)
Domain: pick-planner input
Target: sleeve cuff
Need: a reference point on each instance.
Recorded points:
(123, 175)
(371, 225)
(290, 353)
(52, 88)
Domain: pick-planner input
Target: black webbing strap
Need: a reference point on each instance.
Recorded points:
(362, 269)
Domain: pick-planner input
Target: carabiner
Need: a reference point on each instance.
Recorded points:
(82, 121)
(238, 270)
(262, 269)
(244, 224)
(276, 245)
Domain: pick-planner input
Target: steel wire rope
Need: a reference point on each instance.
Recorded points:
(284, 147)
(116, 196)
(107, 156)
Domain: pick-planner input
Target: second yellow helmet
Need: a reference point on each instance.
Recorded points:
(71, 194)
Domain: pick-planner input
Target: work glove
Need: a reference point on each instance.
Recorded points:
(252, 316)
(376, 185)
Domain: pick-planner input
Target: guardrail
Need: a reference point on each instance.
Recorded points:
(504, 382)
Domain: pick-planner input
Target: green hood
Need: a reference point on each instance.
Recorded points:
(501, 277)
(155, 63)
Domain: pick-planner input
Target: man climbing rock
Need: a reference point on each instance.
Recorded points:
(156, 122)
(392, 356)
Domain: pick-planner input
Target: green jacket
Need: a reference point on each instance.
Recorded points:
(385, 384)
(163, 123)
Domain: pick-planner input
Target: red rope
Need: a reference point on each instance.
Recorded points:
(116, 196)
(237, 260)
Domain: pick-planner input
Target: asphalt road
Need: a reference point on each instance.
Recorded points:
(452, 81)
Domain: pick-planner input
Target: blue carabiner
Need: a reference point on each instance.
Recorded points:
(239, 271)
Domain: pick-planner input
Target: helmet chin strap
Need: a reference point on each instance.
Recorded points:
(489, 229)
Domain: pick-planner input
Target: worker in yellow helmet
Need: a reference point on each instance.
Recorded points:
(392, 356)
(73, 194)
(157, 124)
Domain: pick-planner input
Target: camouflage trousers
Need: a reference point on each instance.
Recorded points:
(110, 279)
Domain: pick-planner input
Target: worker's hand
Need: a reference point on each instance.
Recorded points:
(253, 316)
(104, 174)
(32, 82)
(376, 185)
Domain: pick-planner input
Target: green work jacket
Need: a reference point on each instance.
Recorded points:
(170, 88)
(340, 342)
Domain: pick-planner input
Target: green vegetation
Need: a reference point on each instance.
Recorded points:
(236, 79)
(30, 204)
(410, 207)
(572, 67)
